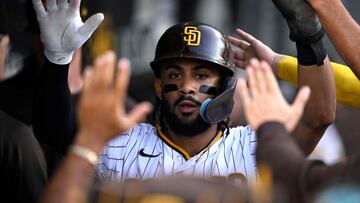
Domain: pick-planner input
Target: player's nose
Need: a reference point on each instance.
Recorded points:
(188, 86)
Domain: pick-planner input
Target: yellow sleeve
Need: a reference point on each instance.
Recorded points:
(347, 84)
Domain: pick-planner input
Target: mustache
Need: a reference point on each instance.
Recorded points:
(189, 98)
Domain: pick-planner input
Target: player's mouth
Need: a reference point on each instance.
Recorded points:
(187, 107)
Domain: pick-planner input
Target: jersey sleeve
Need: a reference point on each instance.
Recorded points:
(347, 84)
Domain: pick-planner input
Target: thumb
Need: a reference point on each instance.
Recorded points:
(90, 25)
(301, 99)
(139, 112)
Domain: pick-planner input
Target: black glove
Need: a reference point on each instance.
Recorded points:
(302, 20)
(305, 30)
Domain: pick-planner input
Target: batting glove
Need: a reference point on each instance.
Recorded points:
(302, 20)
(61, 28)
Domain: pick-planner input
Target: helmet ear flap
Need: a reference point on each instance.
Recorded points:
(215, 110)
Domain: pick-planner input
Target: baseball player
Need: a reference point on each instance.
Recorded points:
(194, 86)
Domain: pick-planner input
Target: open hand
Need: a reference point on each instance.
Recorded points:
(101, 107)
(62, 30)
(263, 102)
(249, 47)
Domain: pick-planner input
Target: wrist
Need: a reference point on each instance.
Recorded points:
(275, 62)
(90, 140)
(58, 57)
(85, 153)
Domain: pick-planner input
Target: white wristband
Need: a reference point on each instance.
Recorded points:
(59, 58)
(85, 153)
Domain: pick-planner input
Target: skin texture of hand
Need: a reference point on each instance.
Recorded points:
(101, 107)
(62, 30)
(249, 47)
(3, 45)
(263, 102)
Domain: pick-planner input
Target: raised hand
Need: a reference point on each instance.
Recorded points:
(249, 47)
(62, 30)
(263, 102)
(4, 41)
(101, 107)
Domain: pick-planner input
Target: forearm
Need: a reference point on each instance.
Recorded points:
(74, 177)
(53, 123)
(71, 181)
(341, 28)
(347, 84)
(301, 177)
(320, 109)
(274, 142)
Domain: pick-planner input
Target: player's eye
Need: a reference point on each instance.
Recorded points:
(201, 76)
(174, 75)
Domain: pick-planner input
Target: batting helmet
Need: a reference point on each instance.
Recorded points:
(196, 41)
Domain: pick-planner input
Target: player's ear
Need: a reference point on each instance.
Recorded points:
(157, 87)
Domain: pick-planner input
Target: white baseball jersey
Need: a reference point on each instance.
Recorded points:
(144, 152)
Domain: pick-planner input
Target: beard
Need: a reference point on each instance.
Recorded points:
(186, 126)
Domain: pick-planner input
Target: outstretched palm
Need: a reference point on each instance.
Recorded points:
(249, 47)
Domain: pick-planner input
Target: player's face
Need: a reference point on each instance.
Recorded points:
(183, 86)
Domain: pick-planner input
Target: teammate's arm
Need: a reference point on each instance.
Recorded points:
(273, 120)
(347, 84)
(286, 67)
(61, 31)
(320, 110)
(342, 29)
(101, 118)
(314, 70)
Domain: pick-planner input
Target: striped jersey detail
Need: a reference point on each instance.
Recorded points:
(225, 155)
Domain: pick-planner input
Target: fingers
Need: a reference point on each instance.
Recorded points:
(51, 5)
(300, 101)
(240, 64)
(75, 4)
(62, 3)
(4, 41)
(239, 43)
(103, 70)
(90, 25)
(239, 54)
(246, 36)
(252, 78)
(270, 80)
(110, 68)
(39, 8)
(138, 113)
(244, 94)
(261, 83)
(87, 78)
(122, 80)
